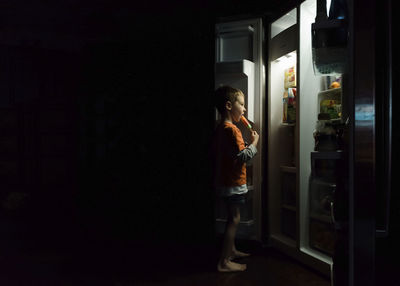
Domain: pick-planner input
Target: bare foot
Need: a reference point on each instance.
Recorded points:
(231, 266)
(238, 254)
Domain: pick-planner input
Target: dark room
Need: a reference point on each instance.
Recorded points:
(108, 124)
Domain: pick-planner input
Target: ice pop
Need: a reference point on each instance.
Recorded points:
(246, 123)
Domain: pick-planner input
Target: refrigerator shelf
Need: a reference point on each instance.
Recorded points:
(321, 218)
(282, 241)
(243, 68)
(288, 169)
(246, 222)
(289, 207)
(331, 92)
(333, 155)
(322, 182)
(329, 24)
(323, 249)
(322, 237)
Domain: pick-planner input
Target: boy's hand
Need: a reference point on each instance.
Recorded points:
(254, 138)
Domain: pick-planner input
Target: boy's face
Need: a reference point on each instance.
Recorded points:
(237, 108)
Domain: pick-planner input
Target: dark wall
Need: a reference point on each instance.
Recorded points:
(148, 119)
(123, 92)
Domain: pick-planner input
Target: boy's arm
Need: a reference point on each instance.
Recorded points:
(244, 153)
(247, 153)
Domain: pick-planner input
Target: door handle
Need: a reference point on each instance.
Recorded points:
(332, 213)
(384, 209)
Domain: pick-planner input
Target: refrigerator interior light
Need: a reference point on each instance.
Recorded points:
(286, 60)
(328, 5)
(289, 55)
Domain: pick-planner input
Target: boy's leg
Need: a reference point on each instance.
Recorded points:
(225, 264)
(238, 254)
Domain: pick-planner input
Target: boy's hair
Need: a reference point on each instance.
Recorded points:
(226, 93)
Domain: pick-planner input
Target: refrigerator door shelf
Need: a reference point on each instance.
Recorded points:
(239, 68)
(238, 74)
(326, 165)
(283, 23)
(331, 94)
(329, 47)
(235, 42)
(321, 217)
(322, 236)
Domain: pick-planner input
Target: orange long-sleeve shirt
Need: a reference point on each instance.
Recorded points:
(229, 171)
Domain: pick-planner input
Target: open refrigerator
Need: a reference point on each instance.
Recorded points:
(309, 83)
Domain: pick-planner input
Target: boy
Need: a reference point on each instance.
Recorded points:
(230, 157)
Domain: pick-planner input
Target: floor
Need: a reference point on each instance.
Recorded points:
(170, 264)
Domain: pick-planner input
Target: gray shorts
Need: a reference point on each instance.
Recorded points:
(236, 199)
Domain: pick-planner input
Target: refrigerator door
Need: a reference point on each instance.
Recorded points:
(370, 120)
(342, 211)
(239, 63)
(361, 201)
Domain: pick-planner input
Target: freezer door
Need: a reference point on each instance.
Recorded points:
(238, 63)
